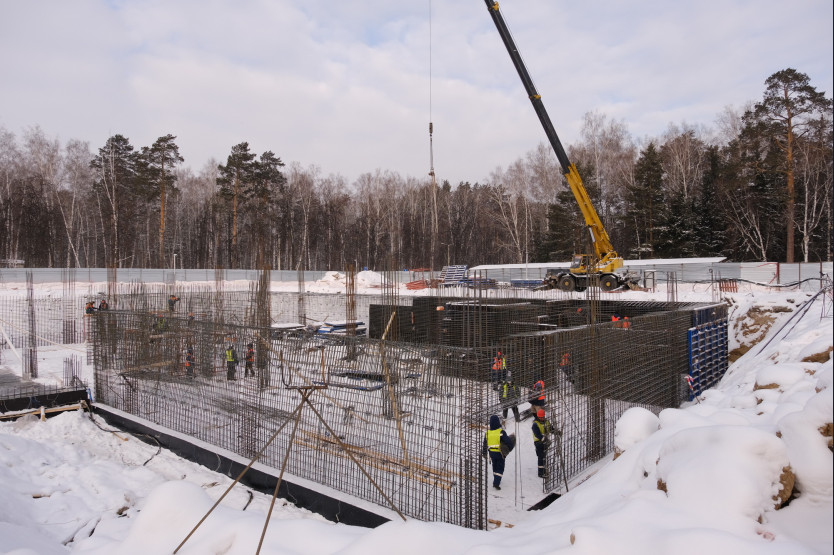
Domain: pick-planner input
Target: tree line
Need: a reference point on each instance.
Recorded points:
(756, 187)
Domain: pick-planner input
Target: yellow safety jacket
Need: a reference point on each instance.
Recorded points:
(544, 429)
(230, 355)
(493, 438)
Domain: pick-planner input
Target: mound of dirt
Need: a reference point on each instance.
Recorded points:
(753, 327)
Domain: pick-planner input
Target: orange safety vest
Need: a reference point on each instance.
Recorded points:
(624, 323)
(539, 387)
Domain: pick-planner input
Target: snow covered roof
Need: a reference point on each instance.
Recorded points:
(675, 261)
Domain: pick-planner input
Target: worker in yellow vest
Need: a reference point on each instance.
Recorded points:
(231, 363)
(495, 436)
(542, 430)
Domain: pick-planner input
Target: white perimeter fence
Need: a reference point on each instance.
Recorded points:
(802, 275)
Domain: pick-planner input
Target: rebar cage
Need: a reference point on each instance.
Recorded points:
(403, 388)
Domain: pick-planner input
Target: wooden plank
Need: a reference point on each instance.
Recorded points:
(390, 460)
(146, 366)
(384, 464)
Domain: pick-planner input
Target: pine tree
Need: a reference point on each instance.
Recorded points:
(710, 229)
(264, 196)
(235, 177)
(157, 164)
(644, 200)
(115, 174)
(675, 232)
(752, 195)
(789, 106)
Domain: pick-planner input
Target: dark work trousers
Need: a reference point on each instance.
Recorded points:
(515, 412)
(231, 368)
(541, 455)
(497, 467)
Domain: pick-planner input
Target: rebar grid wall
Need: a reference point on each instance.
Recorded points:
(594, 368)
(56, 320)
(412, 411)
(423, 461)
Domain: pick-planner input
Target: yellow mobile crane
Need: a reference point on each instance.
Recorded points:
(604, 262)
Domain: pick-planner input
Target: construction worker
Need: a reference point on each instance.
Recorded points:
(620, 321)
(537, 397)
(509, 395)
(172, 302)
(542, 430)
(566, 366)
(90, 307)
(492, 446)
(495, 376)
(160, 325)
(102, 305)
(250, 359)
(189, 362)
(231, 363)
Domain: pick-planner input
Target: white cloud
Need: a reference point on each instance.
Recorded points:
(346, 85)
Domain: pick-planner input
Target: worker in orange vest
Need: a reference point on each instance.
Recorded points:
(566, 366)
(537, 397)
(189, 362)
(250, 360)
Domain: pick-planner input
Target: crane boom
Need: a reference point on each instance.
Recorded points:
(606, 260)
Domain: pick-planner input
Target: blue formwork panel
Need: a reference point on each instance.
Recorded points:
(708, 357)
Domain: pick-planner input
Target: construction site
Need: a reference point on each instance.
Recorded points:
(381, 398)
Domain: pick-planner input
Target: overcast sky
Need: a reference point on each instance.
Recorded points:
(345, 84)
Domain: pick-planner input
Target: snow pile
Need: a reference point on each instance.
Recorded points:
(66, 481)
(173, 509)
(363, 280)
(704, 478)
(636, 424)
(336, 282)
(709, 477)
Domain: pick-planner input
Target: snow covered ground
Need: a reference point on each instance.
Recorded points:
(699, 479)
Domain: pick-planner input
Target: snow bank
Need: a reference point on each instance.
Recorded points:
(696, 479)
(636, 424)
(173, 509)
